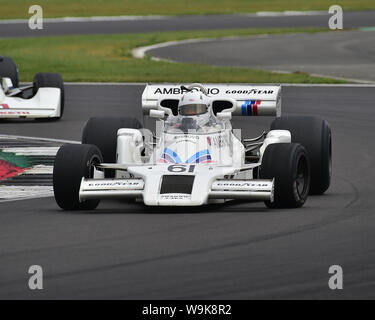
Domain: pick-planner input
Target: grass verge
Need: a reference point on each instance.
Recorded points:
(107, 58)
(60, 8)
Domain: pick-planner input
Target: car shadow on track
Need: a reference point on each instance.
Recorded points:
(128, 207)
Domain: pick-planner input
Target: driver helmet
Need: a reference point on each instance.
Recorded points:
(193, 103)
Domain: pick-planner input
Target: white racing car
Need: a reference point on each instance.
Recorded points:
(196, 157)
(46, 100)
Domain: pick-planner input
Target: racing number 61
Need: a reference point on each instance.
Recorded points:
(178, 168)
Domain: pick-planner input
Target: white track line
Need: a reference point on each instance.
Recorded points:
(290, 13)
(48, 194)
(96, 83)
(32, 151)
(161, 17)
(358, 81)
(365, 85)
(140, 53)
(6, 136)
(13, 193)
(330, 85)
(88, 19)
(105, 83)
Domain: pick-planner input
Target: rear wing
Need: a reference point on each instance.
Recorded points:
(250, 100)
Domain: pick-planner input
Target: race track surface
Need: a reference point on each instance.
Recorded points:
(349, 54)
(352, 19)
(238, 250)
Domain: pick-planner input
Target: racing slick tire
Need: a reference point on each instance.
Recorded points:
(314, 134)
(72, 162)
(102, 132)
(50, 80)
(288, 164)
(8, 69)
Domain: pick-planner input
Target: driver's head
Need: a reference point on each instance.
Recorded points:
(192, 103)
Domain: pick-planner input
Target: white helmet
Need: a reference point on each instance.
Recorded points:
(193, 103)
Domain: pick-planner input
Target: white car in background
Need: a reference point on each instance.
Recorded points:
(43, 99)
(196, 157)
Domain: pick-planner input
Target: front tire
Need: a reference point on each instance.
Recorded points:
(288, 164)
(73, 162)
(50, 80)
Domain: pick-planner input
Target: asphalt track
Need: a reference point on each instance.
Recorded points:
(349, 54)
(239, 250)
(352, 19)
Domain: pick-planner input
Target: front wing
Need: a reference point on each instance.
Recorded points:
(159, 186)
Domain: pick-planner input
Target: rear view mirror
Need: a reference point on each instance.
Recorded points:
(157, 114)
(7, 84)
(224, 115)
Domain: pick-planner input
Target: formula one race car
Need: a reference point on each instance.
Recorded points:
(46, 100)
(196, 157)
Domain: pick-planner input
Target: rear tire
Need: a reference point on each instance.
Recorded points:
(102, 132)
(73, 162)
(314, 134)
(288, 164)
(8, 69)
(50, 80)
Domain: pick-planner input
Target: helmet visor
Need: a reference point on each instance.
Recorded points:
(192, 109)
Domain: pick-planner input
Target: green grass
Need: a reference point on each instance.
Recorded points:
(108, 58)
(59, 8)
